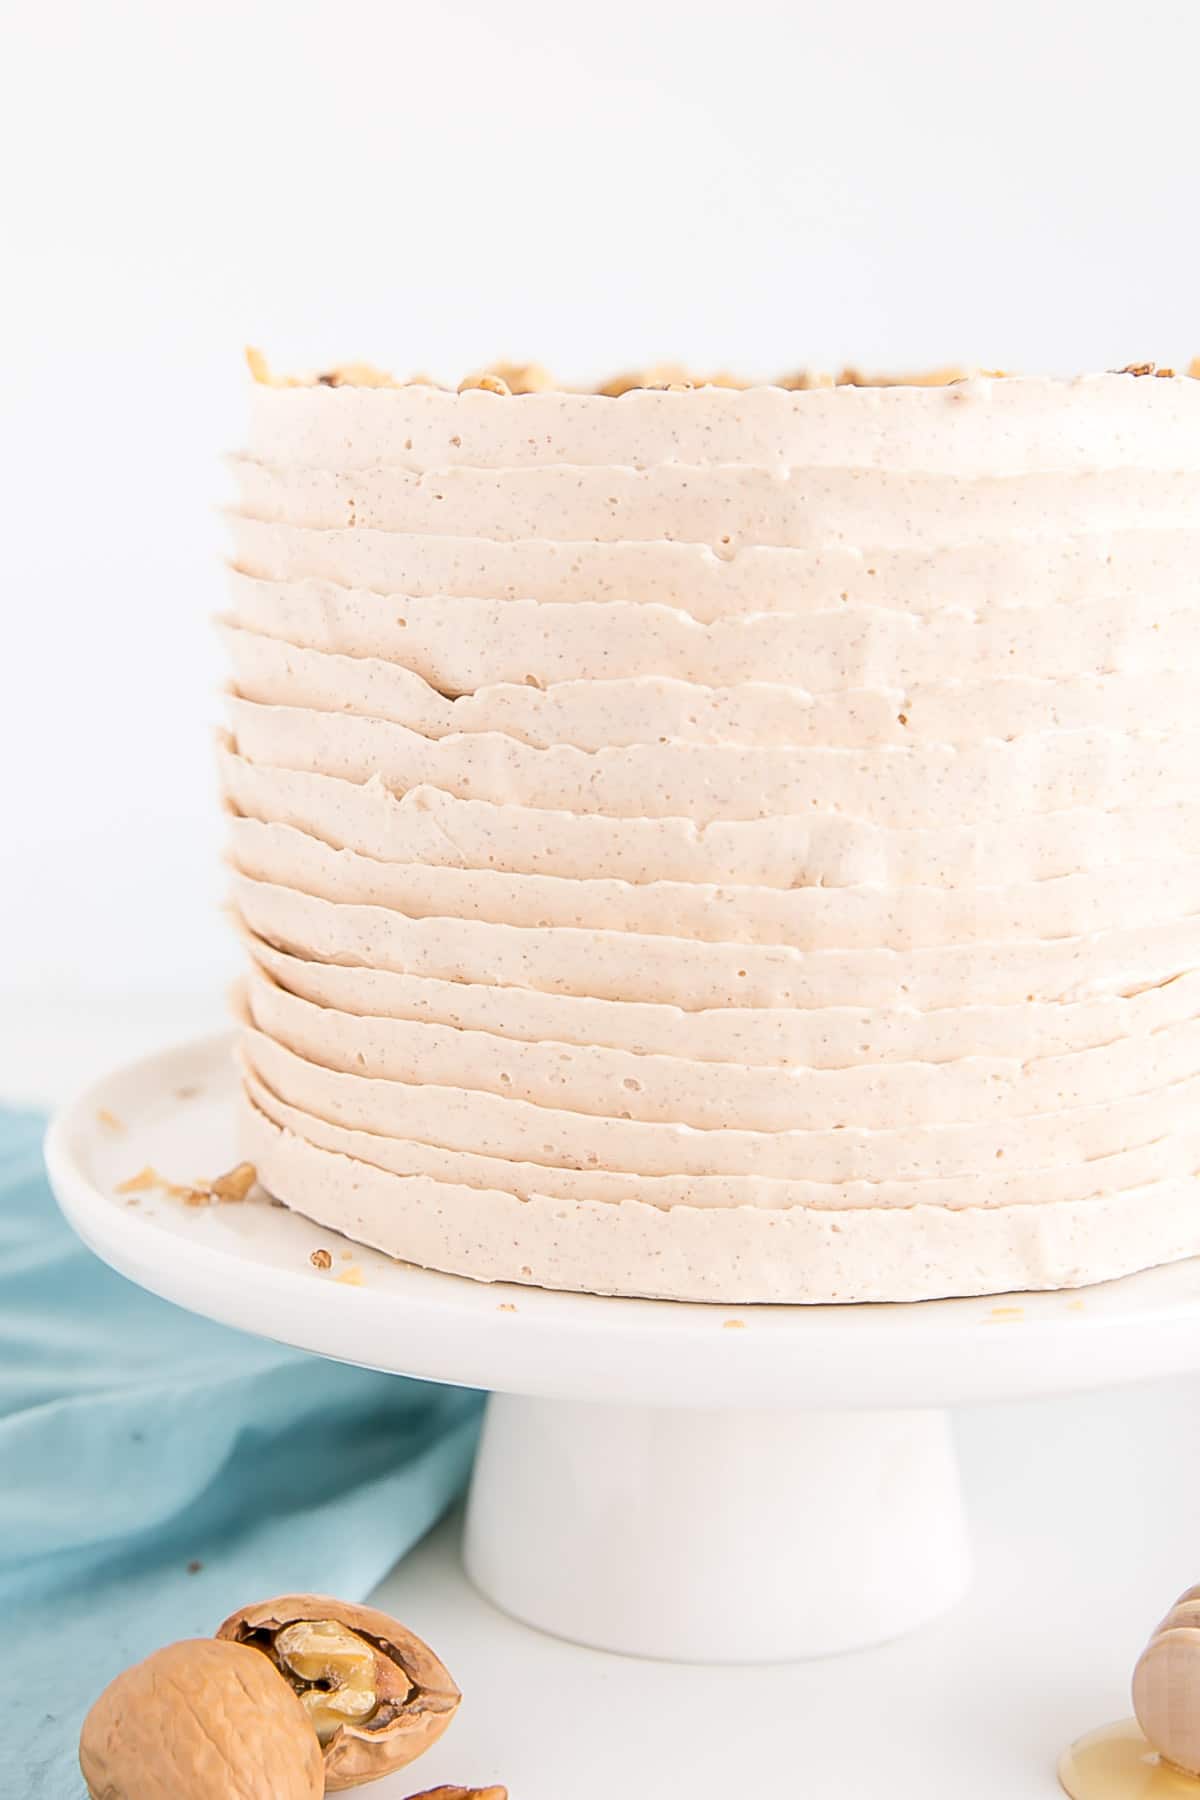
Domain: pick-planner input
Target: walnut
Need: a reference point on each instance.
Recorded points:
(236, 1183)
(364, 375)
(803, 380)
(198, 1719)
(490, 384)
(461, 1793)
(522, 378)
(149, 1179)
(376, 1695)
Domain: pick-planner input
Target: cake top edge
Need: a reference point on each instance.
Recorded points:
(506, 379)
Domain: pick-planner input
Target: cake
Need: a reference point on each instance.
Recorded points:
(723, 843)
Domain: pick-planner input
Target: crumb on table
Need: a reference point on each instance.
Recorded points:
(141, 1182)
(149, 1180)
(229, 1188)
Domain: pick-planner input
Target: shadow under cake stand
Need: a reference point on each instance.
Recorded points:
(699, 1483)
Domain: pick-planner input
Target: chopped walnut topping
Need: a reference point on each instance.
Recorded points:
(522, 378)
(944, 377)
(461, 1793)
(660, 376)
(260, 370)
(230, 1188)
(506, 379)
(356, 375)
(618, 385)
(236, 1184)
(193, 1196)
(149, 1178)
(490, 384)
(803, 380)
(138, 1184)
(345, 375)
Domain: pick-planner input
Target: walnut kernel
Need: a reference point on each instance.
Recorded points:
(381, 1695)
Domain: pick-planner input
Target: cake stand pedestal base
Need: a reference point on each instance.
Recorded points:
(785, 1485)
(727, 1536)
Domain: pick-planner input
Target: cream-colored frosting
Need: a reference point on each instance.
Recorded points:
(725, 507)
(833, 1037)
(1161, 1158)
(724, 844)
(597, 715)
(461, 644)
(675, 1089)
(804, 918)
(973, 578)
(514, 1130)
(818, 849)
(974, 427)
(910, 787)
(672, 971)
(730, 1254)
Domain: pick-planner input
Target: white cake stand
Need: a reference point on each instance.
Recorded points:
(701, 1483)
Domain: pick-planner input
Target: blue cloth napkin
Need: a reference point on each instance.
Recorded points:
(157, 1471)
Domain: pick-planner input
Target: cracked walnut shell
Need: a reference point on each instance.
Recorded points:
(376, 1696)
(198, 1719)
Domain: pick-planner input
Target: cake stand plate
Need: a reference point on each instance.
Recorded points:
(702, 1483)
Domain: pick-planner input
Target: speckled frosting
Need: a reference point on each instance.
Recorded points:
(724, 844)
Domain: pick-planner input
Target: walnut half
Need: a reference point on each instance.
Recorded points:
(375, 1694)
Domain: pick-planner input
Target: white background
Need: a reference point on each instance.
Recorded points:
(432, 186)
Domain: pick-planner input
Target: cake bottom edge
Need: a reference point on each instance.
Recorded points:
(725, 1256)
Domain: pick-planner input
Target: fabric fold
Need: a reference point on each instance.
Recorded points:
(157, 1470)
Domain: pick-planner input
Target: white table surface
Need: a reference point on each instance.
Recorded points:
(1086, 1515)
